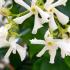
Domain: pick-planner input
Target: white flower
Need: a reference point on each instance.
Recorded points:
(64, 45)
(50, 45)
(50, 7)
(34, 10)
(15, 47)
(3, 36)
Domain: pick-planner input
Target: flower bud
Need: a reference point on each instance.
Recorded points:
(5, 11)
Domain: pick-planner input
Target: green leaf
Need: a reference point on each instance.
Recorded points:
(67, 60)
(65, 9)
(43, 64)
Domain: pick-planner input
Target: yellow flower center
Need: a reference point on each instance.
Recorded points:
(33, 9)
(50, 43)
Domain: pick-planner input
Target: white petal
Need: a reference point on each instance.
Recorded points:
(43, 14)
(3, 32)
(6, 60)
(49, 1)
(64, 45)
(37, 24)
(63, 19)
(59, 2)
(4, 43)
(6, 57)
(22, 3)
(8, 52)
(20, 20)
(3, 36)
(62, 53)
(35, 41)
(2, 66)
(46, 34)
(13, 44)
(65, 52)
(33, 2)
(52, 55)
(22, 51)
(52, 23)
(48, 4)
(8, 2)
(42, 52)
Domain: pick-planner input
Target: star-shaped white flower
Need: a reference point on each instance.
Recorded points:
(15, 47)
(50, 7)
(34, 10)
(50, 45)
(3, 36)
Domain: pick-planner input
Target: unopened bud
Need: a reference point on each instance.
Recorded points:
(5, 11)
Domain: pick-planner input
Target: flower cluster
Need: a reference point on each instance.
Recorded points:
(12, 41)
(46, 13)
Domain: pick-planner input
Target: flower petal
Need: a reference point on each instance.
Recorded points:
(3, 32)
(43, 14)
(4, 43)
(52, 53)
(35, 41)
(63, 54)
(33, 2)
(7, 3)
(64, 45)
(42, 52)
(6, 57)
(49, 1)
(20, 20)
(52, 23)
(6, 60)
(63, 19)
(37, 24)
(59, 2)
(22, 3)
(22, 51)
(46, 34)
(13, 44)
